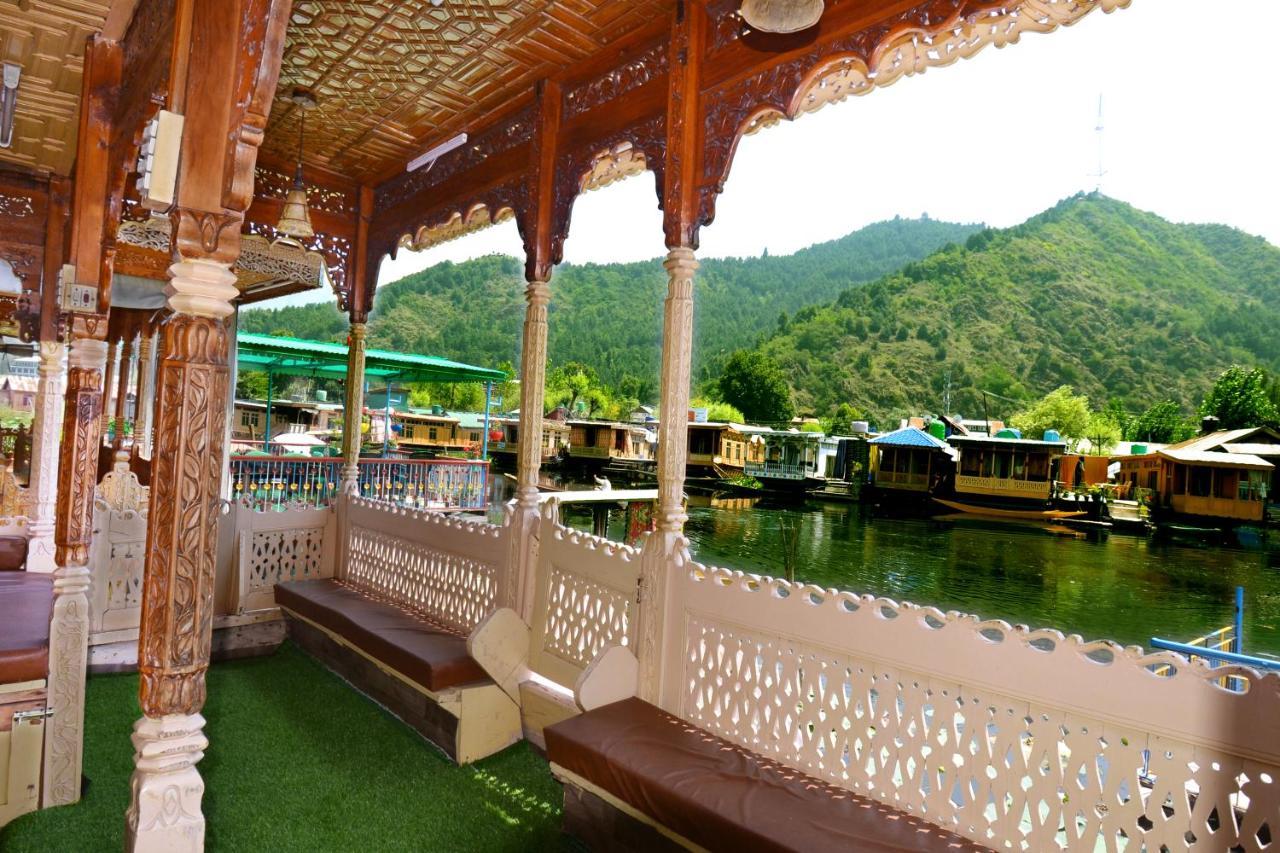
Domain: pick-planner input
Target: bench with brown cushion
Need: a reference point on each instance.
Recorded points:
(419, 671)
(26, 604)
(13, 553)
(639, 778)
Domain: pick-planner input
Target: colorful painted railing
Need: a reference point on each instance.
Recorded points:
(276, 482)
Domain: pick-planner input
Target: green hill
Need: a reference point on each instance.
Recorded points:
(610, 315)
(1093, 293)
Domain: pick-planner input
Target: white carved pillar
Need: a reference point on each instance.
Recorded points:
(146, 394)
(353, 409)
(533, 376)
(666, 546)
(43, 491)
(174, 641)
(124, 380)
(69, 627)
(114, 349)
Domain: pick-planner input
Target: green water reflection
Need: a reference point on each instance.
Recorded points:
(1119, 587)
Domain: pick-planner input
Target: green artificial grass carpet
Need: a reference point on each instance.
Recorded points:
(298, 760)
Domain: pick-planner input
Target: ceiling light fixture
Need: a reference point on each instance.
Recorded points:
(781, 16)
(429, 159)
(295, 217)
(8, 102)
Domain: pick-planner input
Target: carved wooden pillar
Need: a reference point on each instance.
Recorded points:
(533, 381)
(353, 409)
(146, 393)
(124, 381)
(73, 531)
(43, 491)
(110, 383)
(677, 358)
(192, 382)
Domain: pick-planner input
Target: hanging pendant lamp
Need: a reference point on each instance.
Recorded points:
(295, 217)
(781, 16)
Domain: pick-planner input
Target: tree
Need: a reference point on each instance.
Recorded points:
(753, 382)
(841, 420)
(1061, 409)
(1118, 415)
(718, 411)
(1239, 398)
(1163, 423)
(577, 387)
(1102, 432)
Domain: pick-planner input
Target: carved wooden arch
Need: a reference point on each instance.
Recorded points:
(459, 224)
(636, 149)
(866, 60)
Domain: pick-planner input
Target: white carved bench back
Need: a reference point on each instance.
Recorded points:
(118, 552)
(1017, 739)
(451, 568)
(297, 543)
(585, 598)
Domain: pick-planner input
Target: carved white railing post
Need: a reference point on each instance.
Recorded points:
(124, 378)
(69, 628)
(353, 409)
(146, 394)
(666, 545)
(43, 491)
(174, 640)
(533, 374)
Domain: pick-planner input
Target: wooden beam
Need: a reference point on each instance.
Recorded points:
(543, 246)
(681, 203)
(99, 92)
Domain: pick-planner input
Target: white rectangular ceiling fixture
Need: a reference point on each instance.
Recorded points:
(8, 102)
(429, 158)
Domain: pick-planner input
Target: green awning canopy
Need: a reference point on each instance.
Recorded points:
(297, 357)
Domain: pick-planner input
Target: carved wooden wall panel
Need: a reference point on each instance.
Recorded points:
(24, 211)
(46, 37)
(394, 77)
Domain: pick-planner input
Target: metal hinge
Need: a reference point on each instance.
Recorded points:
(34, 714)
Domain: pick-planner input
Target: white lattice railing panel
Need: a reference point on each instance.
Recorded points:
(1017, 739)
(295, 544)
(585, 600)
(116, 560)
(449, 568)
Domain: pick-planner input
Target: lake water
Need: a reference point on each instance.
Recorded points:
(1119, 587)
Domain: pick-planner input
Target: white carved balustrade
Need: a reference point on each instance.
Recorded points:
(585, 599)
(1016, 739)
(117, 554)
(448, 568)
(297, 542)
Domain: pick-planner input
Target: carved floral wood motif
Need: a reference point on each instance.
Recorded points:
(177, 618)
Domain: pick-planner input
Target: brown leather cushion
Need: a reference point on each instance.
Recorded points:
(26, 605)
(403, 641)
(13, 553)
(722, 796)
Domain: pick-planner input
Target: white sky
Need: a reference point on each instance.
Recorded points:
(1192, 131)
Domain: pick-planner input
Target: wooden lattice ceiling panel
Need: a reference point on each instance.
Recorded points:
(46, 38)
(393, 77)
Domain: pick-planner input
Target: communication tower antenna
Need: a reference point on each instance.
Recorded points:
(1099, 130)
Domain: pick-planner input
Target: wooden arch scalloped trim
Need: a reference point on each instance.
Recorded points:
(809, 83)
(458, 224)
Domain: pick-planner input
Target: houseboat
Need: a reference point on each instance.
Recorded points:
(844, 463)
(790, 463)
(600, 444)
(908, 466)
(249, 417)
(504, 440)
(721, 449)
(435, 432)
(1221, 479)
(1005, 477)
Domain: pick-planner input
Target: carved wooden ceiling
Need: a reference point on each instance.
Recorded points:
(394, 77)
(46, 38)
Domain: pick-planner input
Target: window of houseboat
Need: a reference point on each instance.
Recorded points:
(1226, 484)
(1038, 467)
(1200, 483)
(971, 463)
(1250, 488)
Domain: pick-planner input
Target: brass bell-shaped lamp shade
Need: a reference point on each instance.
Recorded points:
(781, 16)
(295, 218)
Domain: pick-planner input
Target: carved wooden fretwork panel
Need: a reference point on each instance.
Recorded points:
(271, 183)
(46, 38)
(16, 206)
(393, 77)
(445, 568)
(583, 617)
(296, 543)
(930, 34)
(977, 726)
(119, 554)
